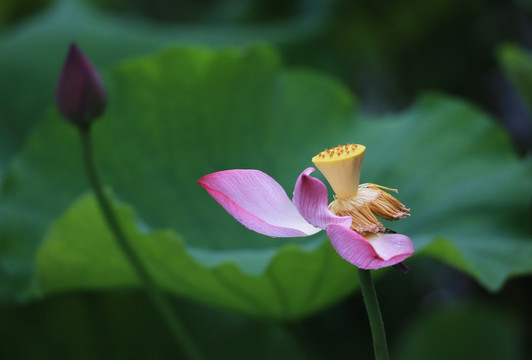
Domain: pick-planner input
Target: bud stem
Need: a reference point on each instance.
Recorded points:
(159, 300)
(374, 314)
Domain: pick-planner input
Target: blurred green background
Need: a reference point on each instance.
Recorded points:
(441, 92)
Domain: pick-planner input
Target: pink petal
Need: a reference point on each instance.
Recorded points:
(379, 251)
(310, 197)
(258, 202)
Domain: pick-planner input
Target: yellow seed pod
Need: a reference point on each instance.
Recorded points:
(341, 167)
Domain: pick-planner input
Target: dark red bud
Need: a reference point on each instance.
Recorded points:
(80, 94)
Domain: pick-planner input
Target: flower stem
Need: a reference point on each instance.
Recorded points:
(374, 315)
(159, 300)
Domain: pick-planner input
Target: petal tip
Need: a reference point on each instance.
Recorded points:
(257, 201)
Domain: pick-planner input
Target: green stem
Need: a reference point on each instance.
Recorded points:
(374, 315)
(159, 300)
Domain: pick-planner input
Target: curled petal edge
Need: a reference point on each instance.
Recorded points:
(310, 198)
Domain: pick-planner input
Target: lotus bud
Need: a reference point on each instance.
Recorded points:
(80, 95)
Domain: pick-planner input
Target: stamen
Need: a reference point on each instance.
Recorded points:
(363, 219)
(385, 205)
(369, 202)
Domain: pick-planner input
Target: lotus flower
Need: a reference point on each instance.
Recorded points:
(258, 202)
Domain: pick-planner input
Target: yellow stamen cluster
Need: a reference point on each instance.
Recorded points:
(341, 167)
(371, 201)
